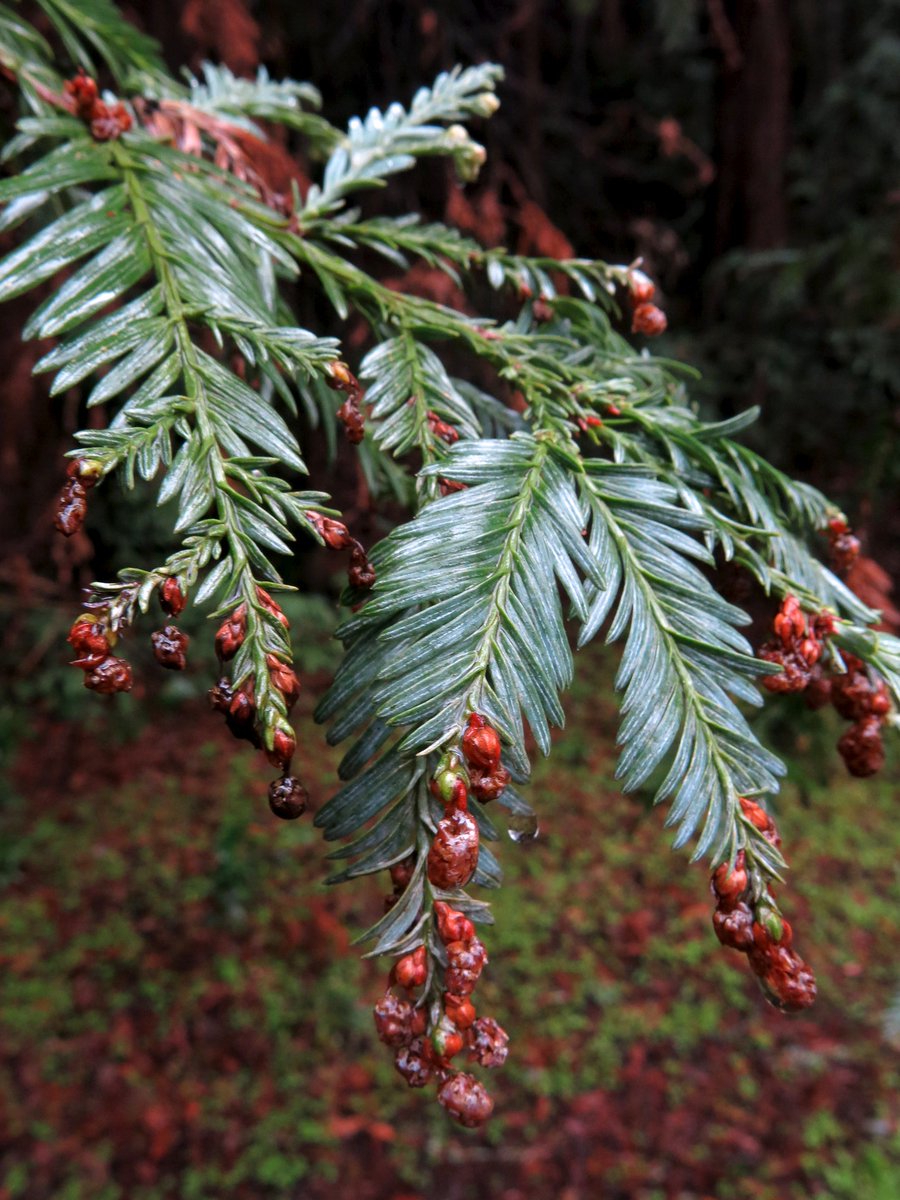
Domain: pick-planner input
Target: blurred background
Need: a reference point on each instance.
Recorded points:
(181, 1011)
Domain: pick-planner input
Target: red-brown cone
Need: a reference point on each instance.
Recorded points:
(288, 798)
(466, 1100)
(489, 1042)
(169, 647)
(109, 676)
(454, 852)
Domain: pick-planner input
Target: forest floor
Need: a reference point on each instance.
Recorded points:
(182, 1014)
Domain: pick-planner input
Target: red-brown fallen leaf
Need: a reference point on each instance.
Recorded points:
(481, 214)
(432, 284)
(538, 234)
(874, 587)
(348, 1127)
(225, 27)
(161, 1124)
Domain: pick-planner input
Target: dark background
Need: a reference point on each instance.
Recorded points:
(747, 150)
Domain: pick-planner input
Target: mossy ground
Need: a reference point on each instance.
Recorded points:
(182, 1014)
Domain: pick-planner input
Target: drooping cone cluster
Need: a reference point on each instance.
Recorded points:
(441, 429)
(453, 855)
(754, 926)
(341, 379)
(798, 647)
(337, 536)
(170, 643)
(427, 1044)
(842, 544)
(426, 1047)
(287, 795)
(867, 705)
(454, 852)
(646, 317)
(105, 121)
(481, 750)
(401, 873)
(71, 508)
(92, 640)
(92, 637)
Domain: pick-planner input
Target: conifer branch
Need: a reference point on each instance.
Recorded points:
(599, 496)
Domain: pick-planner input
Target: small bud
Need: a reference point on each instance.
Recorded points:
(283, 746)
(640, 286)
(220, 696)
(86, 470)
(411, 971)
(284, 679)
(774, 925)
(468, 155)
(172, 599)
(730, 883)
(402, 873)
(441, 429)
(230, 634)
(485, 105)
(480, 744)
(340, 377)
(445, 780)
(271, 606)
(649, 320)
(242, 709)
(80, 94)
(810, 650)
(241, 715)
(460, 1010)
(446, 1038)
(88, 637)
(452, 925)
(760, 819)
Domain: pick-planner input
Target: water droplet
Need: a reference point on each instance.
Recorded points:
(523, 827)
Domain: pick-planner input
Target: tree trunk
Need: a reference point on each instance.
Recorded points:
(753, 129)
